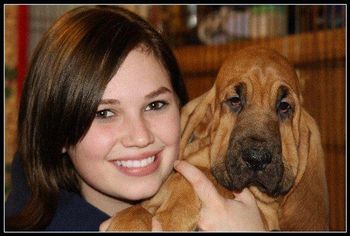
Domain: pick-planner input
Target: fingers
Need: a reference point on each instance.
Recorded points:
(202, 185)
(156, 226)
(204, 188)
(244, 196)
(105, 224)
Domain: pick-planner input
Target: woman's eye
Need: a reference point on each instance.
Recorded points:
(157, 105)
(103, 114)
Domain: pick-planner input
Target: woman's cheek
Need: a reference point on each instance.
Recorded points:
(98, 141)
(168, 128)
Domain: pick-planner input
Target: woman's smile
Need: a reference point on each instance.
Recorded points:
(139, 165)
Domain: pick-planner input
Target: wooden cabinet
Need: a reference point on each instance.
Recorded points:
(319, 59)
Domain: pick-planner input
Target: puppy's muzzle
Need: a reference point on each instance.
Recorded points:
(254, 155)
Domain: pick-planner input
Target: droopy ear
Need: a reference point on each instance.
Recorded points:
(196, 118)
(306, 204)
(188, 109)
(310, 151)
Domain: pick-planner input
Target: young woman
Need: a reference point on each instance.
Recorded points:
(99, 127)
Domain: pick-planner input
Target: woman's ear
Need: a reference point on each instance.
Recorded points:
(64, 150)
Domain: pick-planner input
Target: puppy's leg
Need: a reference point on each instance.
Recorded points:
(135, 218)
(180, 210)
(176, 206)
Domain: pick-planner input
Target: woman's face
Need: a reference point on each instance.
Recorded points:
(134, 139)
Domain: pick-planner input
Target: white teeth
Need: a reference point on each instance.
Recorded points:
(136, 163)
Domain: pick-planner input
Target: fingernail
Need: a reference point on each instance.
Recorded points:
(176, 162)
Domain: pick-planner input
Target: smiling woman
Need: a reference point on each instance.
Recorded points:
(84, 142)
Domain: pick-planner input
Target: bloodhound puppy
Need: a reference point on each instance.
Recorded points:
(249, 130)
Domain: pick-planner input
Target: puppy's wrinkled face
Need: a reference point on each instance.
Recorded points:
(259, 96)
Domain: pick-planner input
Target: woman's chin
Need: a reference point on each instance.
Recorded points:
(142, 194)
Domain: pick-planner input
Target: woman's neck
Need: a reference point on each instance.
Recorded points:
(107, 204)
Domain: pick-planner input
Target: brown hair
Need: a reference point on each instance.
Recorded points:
(69, 71)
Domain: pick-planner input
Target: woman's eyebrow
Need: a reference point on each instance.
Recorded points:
(109, 102)
(157, 92)
(151, 95)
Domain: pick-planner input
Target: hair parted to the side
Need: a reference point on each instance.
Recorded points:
(69, 71)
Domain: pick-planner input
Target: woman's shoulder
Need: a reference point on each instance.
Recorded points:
(19, 191)
(74, 213)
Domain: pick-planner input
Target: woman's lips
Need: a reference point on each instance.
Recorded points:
(138, 167)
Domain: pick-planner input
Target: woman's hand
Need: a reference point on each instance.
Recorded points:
(219, 213)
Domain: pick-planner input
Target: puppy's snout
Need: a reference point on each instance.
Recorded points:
(256, 159)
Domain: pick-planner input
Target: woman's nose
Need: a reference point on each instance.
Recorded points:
(137, 133)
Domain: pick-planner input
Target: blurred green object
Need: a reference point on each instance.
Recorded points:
(10, 75)
(8, 177)
(8, 92)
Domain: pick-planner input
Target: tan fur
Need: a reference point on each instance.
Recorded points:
(206, 126)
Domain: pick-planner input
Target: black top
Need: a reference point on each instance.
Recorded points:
(73, 213)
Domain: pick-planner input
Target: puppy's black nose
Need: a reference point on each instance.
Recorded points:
(256, 159)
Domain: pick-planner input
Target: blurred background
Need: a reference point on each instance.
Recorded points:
(312, 37)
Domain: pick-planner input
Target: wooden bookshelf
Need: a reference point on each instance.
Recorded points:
(319, 59)
(299, 49)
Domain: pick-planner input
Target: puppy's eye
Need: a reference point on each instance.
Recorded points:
(235, 103)
(284, 109)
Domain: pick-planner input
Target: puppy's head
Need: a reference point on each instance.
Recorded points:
(250, 122)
